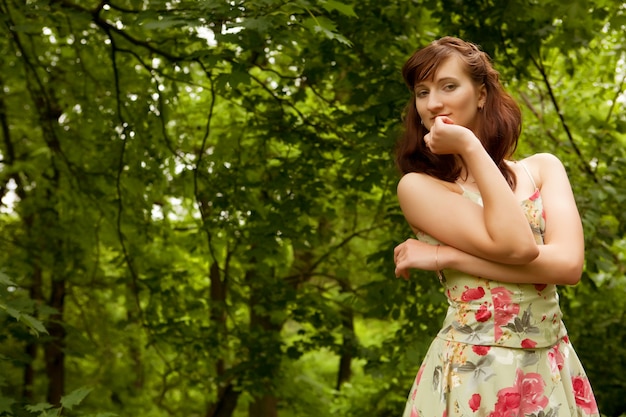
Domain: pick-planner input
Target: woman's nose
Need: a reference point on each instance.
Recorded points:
(434, 102)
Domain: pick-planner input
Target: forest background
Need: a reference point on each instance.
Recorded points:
(198, 198)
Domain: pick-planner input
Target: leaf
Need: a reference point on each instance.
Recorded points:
(485, 361)
(11, 311)
(467, 367)
(510, 326)
(526, 318)
(321, 24)
(239, 77)
(345, 9)
(465, 329)
(4, 279)
(446, 330)
(75, 397)
(165, 23)
(530, 358)
(33, 323)
(5, 405)
(38, 407)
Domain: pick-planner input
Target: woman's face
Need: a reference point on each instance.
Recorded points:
(452, 93)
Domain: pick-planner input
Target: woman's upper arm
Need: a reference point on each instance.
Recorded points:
(563, 224)
(432, 207)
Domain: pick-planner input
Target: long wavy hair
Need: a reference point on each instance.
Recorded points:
(499, 122)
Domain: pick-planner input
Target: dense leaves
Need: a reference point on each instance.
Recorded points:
(198, 209)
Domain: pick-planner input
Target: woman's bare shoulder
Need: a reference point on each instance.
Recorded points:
(543, 159)
(543, 165)
(421, 182)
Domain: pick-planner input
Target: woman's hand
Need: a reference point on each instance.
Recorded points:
(445, 137)
(414, 254)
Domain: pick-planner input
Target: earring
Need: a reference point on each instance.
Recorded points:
(422, 122)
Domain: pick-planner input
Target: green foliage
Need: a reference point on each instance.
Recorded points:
(67, 403)
(198, 198)
(18, 307)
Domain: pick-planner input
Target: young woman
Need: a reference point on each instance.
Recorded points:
(501, 235)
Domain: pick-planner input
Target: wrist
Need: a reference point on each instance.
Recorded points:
(472, 145)
(444, 258)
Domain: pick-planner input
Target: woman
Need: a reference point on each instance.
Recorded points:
(503, 349)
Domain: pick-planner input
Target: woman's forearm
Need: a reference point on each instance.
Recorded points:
(503, 216)
(554, 265)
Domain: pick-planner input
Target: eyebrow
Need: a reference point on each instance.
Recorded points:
(437, 81)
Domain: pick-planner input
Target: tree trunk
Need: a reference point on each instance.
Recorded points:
(349, 341)
(226, 404)
(29, 373)
(227, 396)
(36, 295)
(265, 406)
(54, 349)
(218, 310)
(347, 347)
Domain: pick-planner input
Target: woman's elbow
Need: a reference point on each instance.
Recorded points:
(571, 271)
(530, 253)
(523, 255)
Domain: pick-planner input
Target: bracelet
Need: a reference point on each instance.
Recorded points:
(440, 275)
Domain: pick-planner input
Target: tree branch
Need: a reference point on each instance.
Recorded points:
(539, 117)
(618, 92)
(583, 162)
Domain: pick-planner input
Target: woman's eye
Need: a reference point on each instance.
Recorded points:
(449, 87)
(421, 93)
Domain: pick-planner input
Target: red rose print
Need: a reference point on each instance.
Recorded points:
(524, 397)
(534, 196)
(583, 394)
(483, 314)
(528, 344)
(533, 400)
(555, 358)
(540, 287)
(474, 402)
(414, 412)
(471, 294)
(419, 374)
(507, 404)
(504, 310)
(417, 381)
(480, 350)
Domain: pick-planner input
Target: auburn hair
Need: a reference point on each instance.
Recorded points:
(499, 124)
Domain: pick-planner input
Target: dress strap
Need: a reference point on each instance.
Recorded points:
(529, 174)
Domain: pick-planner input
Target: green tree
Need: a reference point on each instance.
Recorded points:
(198, 198)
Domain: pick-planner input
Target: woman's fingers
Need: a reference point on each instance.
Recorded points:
(399, 255)
(402, 272)
(396, 253)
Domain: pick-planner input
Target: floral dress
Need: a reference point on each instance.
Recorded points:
(503, 350)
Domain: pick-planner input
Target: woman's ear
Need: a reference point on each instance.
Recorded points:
(482, 96)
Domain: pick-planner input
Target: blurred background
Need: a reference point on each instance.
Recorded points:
(198, 208)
